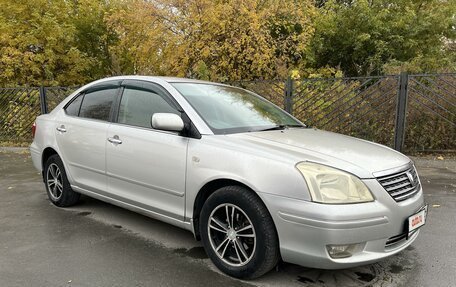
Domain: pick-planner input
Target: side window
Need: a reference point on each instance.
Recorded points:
(138, 106)
(97, 104)
(73, 108)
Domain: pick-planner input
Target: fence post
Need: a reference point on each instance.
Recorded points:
(401, 112)
(43, 103)
(288, 100)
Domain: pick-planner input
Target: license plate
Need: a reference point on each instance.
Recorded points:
(417, 220)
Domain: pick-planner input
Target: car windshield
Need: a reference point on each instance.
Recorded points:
(228, 109)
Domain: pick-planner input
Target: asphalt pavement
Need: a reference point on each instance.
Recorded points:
(97, 244)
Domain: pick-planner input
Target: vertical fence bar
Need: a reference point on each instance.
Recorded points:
(288, 100)
(43, 103)
(401, 111)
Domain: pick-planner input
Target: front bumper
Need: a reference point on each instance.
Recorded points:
(306, 228)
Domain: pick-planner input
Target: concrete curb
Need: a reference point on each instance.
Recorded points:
(14, 149)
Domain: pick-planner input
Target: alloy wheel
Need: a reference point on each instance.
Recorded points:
(231, 234)
(54, 181)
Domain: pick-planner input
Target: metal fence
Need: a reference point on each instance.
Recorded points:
(20, 106)
(18, 109)
(406, 112)
(431, 112)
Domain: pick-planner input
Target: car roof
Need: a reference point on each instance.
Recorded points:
(155, 78)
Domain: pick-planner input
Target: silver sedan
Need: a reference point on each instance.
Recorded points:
(248, 179)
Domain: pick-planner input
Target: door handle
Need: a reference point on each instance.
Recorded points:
(61, 129)
(115, 140)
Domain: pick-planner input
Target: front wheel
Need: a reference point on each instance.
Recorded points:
(57, 185)
(238, 233)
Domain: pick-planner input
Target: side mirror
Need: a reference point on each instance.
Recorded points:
(167, 122)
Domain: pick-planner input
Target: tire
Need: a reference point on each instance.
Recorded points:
(242, 255)
(57, 186)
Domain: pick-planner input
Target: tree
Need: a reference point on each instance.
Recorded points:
(68, 42)
(368, 37)
(92, 35)
(216, 40)
(37, 44)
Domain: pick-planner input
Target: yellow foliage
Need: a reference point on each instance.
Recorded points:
(216, 40)
(37, 44)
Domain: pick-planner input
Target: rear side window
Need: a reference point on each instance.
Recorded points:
(138, 106)
(73, 108)
(97, 104)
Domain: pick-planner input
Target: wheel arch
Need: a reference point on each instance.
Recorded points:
(47, 152)
(206, 190)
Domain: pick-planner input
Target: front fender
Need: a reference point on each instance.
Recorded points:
(211, 158)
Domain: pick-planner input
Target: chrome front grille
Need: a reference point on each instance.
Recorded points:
(401, 185)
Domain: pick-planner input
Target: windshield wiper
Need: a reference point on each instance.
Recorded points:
(281, 127)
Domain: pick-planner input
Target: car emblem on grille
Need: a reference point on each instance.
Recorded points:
(411, 178)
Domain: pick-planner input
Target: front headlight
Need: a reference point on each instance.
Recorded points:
(330, 185)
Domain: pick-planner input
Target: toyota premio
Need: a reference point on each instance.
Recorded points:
(249, 180)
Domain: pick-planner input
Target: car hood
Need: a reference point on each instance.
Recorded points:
(360, 157)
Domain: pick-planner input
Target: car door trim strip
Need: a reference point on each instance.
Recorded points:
(162, 189)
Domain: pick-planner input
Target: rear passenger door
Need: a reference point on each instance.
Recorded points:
(146, 167)
(81, 136)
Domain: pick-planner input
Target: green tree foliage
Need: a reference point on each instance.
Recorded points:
(366, 37)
